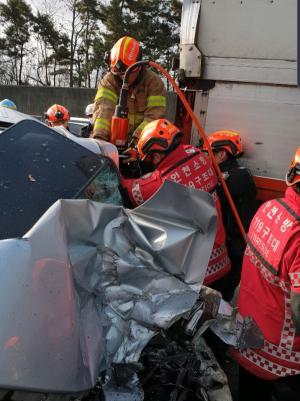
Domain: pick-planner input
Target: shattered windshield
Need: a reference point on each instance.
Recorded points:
(104, 187)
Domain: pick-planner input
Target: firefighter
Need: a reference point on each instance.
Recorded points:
(270, 293)
(147, 94)
(160, 145)
(9, 104)
(89, 112)
(57, 116)
(227, 147)
(87, 130)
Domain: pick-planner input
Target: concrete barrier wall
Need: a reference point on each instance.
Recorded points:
(35, 100)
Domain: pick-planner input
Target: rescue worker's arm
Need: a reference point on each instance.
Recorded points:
(155, 103)
(104, 107)
(141, 189)
(294, 274)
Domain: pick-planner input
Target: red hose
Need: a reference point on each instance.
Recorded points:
(202, 134)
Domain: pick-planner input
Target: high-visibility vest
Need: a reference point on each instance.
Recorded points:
(265, 290)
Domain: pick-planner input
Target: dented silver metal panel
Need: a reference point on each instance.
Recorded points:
(91, 283)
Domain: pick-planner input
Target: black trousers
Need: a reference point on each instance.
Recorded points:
(227, 284)
(251, 388)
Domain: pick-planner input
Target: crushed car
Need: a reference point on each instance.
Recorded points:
(99, 302)
(9, 117)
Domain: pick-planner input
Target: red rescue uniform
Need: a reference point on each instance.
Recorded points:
(188, 166)
(270, 274)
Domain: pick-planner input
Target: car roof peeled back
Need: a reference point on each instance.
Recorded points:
(37, 167)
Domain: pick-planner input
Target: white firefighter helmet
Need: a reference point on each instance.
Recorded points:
(89, 110)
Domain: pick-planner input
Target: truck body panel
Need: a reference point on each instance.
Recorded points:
(248, 51)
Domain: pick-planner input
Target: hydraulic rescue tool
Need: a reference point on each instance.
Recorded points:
(119, 125)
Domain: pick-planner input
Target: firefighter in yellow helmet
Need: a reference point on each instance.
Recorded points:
(147, 94)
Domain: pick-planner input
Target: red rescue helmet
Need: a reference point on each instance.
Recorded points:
(293, 174)
(125, 52)
(158, 136)
(227, 140)
(57, 113)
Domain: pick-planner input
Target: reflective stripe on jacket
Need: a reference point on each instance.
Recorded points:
(270, 273)
(146, 102)
(188, 166)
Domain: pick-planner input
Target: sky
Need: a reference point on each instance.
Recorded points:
(40, 4)
(52, 6)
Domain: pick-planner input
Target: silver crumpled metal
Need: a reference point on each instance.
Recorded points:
(91, 283)
(233, 329)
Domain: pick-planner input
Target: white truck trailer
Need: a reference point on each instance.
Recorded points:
(239, 57)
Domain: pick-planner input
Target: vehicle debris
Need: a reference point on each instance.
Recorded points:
(31, 178)
(97, 283)
(179, 370)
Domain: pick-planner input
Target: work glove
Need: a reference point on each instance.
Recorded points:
(130, 155)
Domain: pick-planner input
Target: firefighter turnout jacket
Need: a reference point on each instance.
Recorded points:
(188, 166)
(270, 279)
(146, 102)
